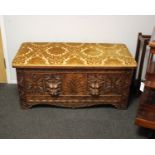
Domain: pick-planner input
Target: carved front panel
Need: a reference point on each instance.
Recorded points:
(112, 83)
(43, 84)
(75, 88)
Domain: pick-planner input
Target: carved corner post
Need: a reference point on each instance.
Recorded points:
(21, 89)
(125, 91)
(123, 105)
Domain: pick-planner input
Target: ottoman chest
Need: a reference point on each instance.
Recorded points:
(73, 74)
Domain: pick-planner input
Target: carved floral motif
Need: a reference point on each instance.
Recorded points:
(35, 83)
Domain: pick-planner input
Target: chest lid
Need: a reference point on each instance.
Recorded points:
(46, 54)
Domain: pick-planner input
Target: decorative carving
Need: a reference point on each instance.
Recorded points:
(95, 83)
(74, 84)
(94, 89)
(34, 84)
(108, 83)
(111, 84)
(53, 84)
(115, 83)
(56, 87)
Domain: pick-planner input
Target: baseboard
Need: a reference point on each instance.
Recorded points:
(12, 82)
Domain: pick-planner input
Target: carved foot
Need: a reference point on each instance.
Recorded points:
(25, 106)
(121, 106)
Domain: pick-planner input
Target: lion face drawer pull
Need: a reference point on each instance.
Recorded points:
(53, 85)
(94, 89)
(95, 83)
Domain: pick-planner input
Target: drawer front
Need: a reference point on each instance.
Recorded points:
(80, 86)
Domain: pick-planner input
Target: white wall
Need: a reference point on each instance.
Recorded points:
(114, 29)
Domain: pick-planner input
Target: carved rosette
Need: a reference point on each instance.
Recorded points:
(114, 84)
(35, 84)
(53, 84)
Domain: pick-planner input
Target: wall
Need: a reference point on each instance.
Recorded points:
(114, 29)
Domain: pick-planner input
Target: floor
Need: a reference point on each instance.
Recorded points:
(52, 122)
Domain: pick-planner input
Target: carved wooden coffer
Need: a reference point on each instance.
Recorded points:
(74, 74)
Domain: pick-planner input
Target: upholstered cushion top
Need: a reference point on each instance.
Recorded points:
(35, 54)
